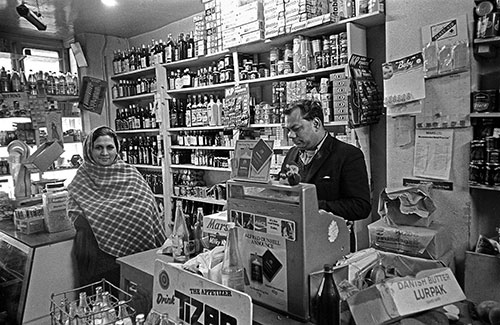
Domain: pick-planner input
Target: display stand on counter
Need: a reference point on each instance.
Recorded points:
(272, 227)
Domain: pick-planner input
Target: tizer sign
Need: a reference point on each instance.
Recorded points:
(194, 311)
(194, 300)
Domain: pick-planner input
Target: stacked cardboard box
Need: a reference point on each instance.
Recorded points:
(274, 17)
(341, 90)
(199, 35)
(213, 26)
(242, 23)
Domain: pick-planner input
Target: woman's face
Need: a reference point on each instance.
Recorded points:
(104, 150)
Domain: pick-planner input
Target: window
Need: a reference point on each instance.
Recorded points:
(41, 60)
(5, 61)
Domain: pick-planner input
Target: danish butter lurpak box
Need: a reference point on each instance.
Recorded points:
(399, 297)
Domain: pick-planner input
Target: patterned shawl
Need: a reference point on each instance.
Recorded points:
(118, 204)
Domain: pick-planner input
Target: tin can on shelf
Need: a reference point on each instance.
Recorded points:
(477, 151)
(476, 174)
(493, 156)
(484, 101)
(492, 174)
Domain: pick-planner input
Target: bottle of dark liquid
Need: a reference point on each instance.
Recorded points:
(328, 299)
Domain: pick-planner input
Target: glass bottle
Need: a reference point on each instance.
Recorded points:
(328, 300)
(232, 271)
(108, 311)
(180, 235)
(140, 319)
(72, 315)
(123, 314)
(198, 230)
(84, 309)
(96, 306)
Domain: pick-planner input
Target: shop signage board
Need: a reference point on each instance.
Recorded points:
(92, 94)
(192, 299)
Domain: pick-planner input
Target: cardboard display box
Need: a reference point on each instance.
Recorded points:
(44, 156)
(420, 285)
(399, 297)
(482, 277)
(432, 242)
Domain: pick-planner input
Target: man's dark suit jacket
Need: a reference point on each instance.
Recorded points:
(339, 172)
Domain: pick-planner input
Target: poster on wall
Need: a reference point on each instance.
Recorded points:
(92, 93)
(433, 153)
(404, 83)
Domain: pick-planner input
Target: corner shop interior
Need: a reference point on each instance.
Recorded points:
(468, 212)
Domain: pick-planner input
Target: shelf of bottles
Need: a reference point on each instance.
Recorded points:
(189, 184)
(143, 151)
(57, 86)
(154, 180)
(140, 117)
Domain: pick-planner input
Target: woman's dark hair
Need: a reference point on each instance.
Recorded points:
(104, 130)
(309, 109)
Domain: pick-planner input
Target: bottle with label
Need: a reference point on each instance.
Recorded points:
(180, 236)
(198, 230)
(232, 271)
(327, 299)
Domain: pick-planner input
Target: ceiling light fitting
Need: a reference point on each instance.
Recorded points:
(31, 16)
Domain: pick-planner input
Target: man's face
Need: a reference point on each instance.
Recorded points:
(302, 132)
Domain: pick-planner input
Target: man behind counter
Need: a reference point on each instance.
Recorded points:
(337, 168)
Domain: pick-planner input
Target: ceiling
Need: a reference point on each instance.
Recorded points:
(65, 18)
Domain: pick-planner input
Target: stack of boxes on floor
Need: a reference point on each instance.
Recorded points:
(408, 226)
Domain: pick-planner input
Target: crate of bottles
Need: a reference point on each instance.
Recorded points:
(97, 303)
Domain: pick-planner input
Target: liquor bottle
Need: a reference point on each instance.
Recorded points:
(232, 271)
(32, 83)
(169, 49)
(4, 81)
(198, 230)
(15, 82)
(173, 113)
(189, 106)
(211, 112)
(182, 44)
(180, 235)
(190, 45)
(123, 314)
(62, 84)
(327, 299)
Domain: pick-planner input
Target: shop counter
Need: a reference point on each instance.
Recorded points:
(137, 271)
(31, 268)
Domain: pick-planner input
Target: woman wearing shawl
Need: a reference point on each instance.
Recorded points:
(113, 210)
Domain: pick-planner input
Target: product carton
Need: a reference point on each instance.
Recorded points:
(399, 297)
(417, 285)
(215, 229)
(432, 242)
(44, 156)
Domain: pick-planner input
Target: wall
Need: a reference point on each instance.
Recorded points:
(98, 50)
(403, 32)
(181, 26)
